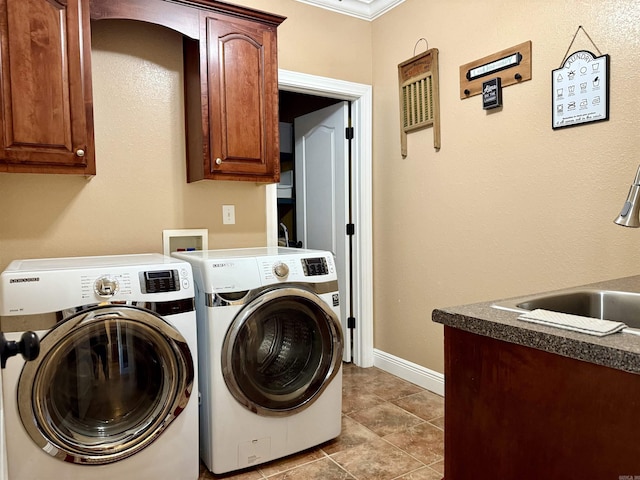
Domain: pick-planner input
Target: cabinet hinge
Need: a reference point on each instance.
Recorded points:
(351, 229)
(349, 133)
(351, 322)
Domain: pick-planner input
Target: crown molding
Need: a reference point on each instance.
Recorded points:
(364, 9)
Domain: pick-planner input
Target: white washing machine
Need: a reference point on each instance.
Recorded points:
(113, 392)
(270, 350)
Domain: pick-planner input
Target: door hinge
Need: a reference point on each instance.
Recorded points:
(349, 133)
(351, 322)
(351, 229)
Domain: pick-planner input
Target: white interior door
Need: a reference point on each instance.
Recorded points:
(322, 198)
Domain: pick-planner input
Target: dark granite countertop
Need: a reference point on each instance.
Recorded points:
(619, 350)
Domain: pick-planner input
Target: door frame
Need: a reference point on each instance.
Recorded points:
(361, 98)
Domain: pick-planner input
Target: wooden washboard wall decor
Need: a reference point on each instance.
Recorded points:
(419, 96)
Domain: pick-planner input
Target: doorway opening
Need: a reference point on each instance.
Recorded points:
(319, 201)
(329, 91)
(292, 105)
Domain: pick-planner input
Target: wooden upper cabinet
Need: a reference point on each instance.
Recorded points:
(230, 81)
(231, 101)
(231, 85)
(46, 111)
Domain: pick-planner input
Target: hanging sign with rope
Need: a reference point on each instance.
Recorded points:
(580, 87)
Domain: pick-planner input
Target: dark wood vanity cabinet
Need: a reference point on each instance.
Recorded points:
(46, 111)
(231, 98)
(516, 412)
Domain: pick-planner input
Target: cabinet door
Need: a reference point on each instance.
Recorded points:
(243, 99)
(46, 116)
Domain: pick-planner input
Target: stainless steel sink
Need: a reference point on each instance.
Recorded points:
(604, 304)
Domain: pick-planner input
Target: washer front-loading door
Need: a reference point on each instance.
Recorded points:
(108, 381)
(281, 351)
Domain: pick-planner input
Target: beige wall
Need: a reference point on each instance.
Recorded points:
(140, 188)
(319, 42)
(507, 206)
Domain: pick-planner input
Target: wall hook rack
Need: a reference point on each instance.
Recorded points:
(512, 65)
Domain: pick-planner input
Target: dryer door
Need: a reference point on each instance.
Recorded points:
(281, 351)
(107, 383)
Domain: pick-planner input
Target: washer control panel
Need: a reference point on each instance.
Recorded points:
(151, 281)
(34, 286)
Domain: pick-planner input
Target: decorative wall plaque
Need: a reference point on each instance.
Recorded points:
(580, 90)
(419, 96)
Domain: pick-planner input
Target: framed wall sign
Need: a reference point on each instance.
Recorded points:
(580, 90)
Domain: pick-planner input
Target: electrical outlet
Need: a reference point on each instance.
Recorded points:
(228, 214)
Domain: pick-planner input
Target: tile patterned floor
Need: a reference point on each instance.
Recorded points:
(391, 430)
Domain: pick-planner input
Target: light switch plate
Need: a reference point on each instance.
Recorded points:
(228, 214)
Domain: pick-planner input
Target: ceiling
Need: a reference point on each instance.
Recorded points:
(365, 9)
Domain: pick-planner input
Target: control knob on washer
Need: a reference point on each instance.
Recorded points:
(281, 270)
(106, 286)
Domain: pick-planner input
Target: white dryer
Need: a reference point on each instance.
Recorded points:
(270, 350)
(111, 394)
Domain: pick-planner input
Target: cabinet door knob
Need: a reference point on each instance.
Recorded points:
(218, 161)
(80, 152)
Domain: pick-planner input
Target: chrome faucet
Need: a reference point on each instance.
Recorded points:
(630, 214)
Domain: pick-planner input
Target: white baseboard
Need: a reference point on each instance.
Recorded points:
(411, 372)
